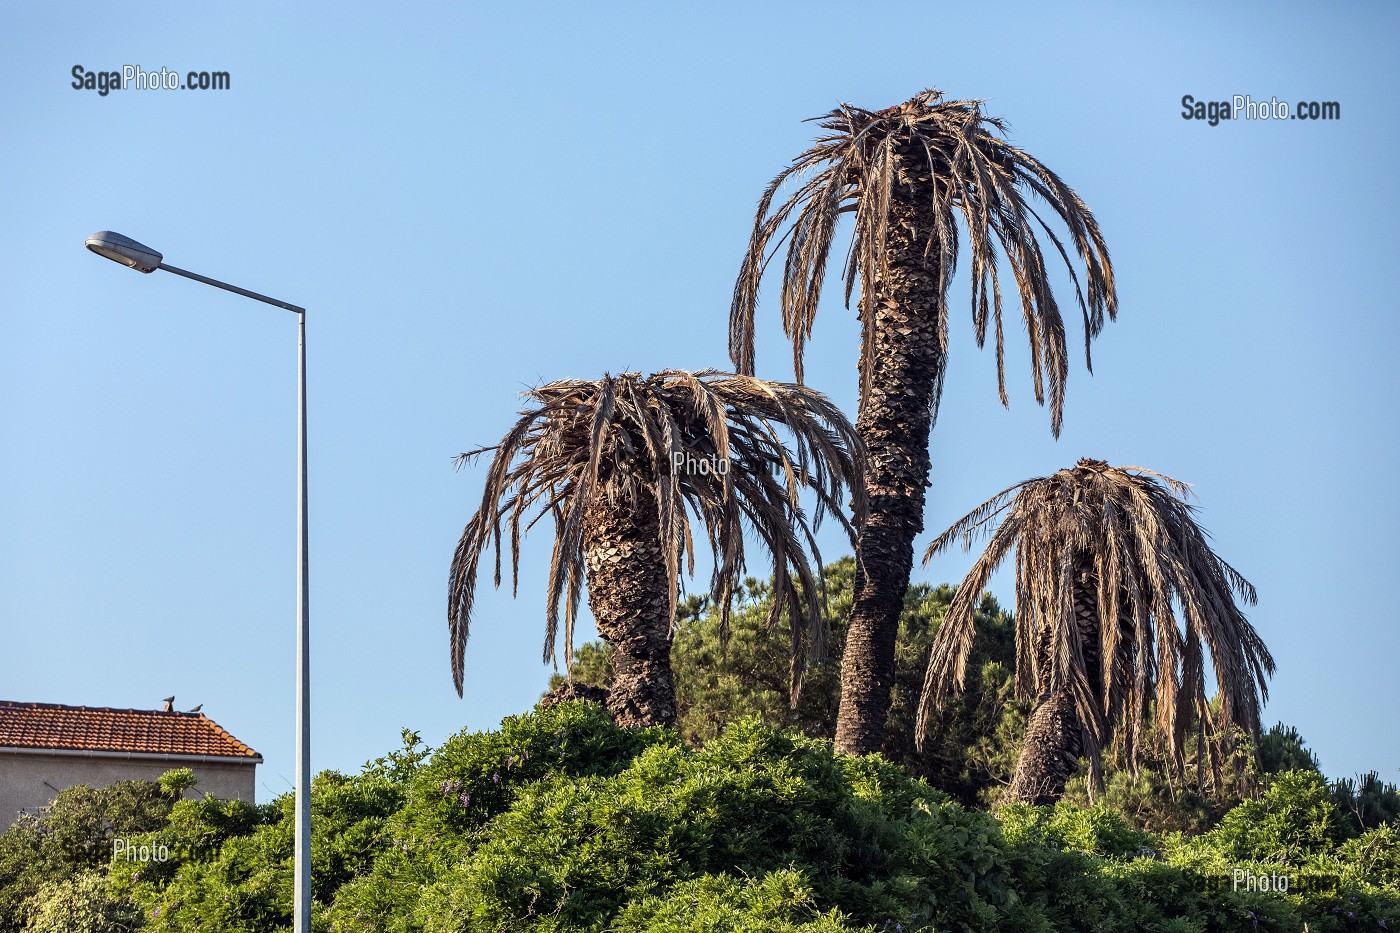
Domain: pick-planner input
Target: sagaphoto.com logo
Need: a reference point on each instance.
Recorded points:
(134, 77)
(1244, 107)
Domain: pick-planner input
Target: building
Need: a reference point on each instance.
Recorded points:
(46, 747)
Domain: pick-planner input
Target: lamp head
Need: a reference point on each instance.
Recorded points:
(124, 250)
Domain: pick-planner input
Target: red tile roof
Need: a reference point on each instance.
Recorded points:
(99, 729)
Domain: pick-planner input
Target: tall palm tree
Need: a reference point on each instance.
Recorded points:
(907, 173)
(620, 464)
(1105, 558)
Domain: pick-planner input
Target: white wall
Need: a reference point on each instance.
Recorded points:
(32, 780)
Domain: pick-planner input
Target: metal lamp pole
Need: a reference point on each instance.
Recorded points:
(142, 258)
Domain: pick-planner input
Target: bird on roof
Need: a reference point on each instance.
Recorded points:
(197, 708)
(169, 704)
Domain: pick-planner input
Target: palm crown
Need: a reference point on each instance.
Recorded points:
(949, 155)
(1124, 541)
(638, 443)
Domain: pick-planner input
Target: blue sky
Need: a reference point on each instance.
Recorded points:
(473, 199)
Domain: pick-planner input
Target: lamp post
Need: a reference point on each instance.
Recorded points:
(142, 258)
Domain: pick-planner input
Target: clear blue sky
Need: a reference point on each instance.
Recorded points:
(472, 200)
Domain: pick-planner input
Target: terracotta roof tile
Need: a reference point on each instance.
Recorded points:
(98, 728)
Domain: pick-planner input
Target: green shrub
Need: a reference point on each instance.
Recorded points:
(778, 902)
(1373, 857)
(1294, 821)
(1094, 831)
(971, 745)
(561, 822)
(73, 838)
(27, 863)
(79, 905)
(84, 820)
(176, 781)
(1148, 801)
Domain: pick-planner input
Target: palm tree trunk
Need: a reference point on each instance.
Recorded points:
(1053, 745)
(903, 319)
(627, 592)
(1049, 752)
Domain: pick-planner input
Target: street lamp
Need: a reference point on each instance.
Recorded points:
(142, 258)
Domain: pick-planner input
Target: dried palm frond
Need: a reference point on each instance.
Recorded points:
(954, 159)
(617, 438)
(1125, 540)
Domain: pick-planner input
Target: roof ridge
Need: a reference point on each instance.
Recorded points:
(32, 704)
(105, 728)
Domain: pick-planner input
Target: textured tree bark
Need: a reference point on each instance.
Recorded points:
(574, 691)
(909, 336)
(628, 597)
(1052, 746)
(1050, 751)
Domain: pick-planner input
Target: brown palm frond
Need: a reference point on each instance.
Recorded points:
(861, 163)
(583, 441)
(1165, 603)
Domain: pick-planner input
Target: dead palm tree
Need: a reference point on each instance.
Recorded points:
(907, 173)
(1106, 557)
(620, 464)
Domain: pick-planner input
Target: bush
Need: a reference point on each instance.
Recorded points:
(601, 829)
(75, 837)
(971, 746)
(79, 905)
(1294, 821)
(1095, 831)
(778, 902)
(84, 820)
(601, 819)
(1150, 802)
(561, 822)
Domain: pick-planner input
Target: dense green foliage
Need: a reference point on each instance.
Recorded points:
(80, 903)
(742, 819)
(561, 821)
(974, 741)
(44, 864)
(971, 749)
